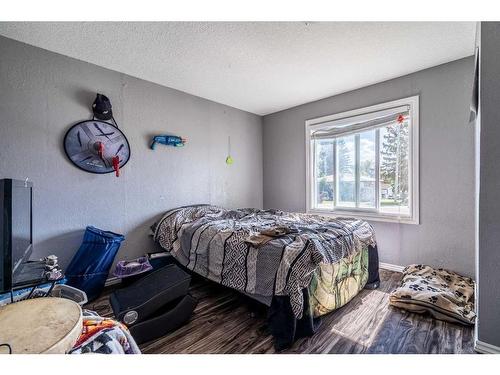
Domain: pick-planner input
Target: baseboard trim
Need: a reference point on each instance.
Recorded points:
(391, 267)
(485, 348)
(112, 281)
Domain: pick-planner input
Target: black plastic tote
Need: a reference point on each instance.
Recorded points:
(90, 266)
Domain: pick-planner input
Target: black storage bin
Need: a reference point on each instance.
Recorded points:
(167, 319)
(149, 294)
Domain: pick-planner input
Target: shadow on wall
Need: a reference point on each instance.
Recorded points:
(84, 97)
(138, 241)
(66, 244)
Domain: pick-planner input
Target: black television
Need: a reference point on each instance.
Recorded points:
(16, 233)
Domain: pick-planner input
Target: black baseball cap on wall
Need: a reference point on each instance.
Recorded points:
(102, 107)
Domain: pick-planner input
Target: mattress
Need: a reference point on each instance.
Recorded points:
(326, 256)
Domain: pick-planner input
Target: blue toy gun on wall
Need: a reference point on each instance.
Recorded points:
(168, 140)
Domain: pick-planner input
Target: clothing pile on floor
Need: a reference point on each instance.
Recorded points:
(104, 336)
(444, 294)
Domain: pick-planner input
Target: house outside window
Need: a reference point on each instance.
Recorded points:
(364, 163)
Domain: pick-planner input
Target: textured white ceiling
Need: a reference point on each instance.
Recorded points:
(260, 67)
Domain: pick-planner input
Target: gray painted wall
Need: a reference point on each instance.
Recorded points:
(489, 193)
(42, 94)
(445, 236)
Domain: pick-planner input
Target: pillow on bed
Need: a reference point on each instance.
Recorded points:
(444, 294)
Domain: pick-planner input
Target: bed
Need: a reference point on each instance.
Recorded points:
(310, 267)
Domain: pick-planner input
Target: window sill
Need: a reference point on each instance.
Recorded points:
(368, 216)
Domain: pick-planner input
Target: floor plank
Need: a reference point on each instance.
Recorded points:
(227, 322)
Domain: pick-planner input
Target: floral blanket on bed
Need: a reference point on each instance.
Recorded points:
(333, 285)
(212, 242)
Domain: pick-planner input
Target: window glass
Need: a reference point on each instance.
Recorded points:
(346, 172)
(365, 162)
(367, 165)
(324, 174)
(394, 150)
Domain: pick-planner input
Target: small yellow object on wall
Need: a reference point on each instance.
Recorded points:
(229, 159)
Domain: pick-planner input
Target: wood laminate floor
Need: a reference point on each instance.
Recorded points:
(226, 322)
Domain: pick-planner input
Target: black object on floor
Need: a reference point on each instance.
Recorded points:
(140, 300)
(373, 270)
(167, 319)
(155, 304)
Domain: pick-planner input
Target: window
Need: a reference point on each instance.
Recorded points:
(364, 163)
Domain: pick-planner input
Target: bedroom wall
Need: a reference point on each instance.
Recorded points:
(445, 236)
(42, 94)
(488, 327)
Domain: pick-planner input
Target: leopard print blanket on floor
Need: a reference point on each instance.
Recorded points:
(444, 294)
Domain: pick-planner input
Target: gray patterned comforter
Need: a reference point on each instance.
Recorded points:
(210, 241)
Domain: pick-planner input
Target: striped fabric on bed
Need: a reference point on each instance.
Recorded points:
(211, 241)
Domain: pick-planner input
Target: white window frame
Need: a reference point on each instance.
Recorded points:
(413, 163)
